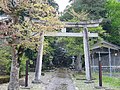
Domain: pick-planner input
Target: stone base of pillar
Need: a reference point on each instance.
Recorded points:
(36, 81)
(89, 81)
(100, 87)
(28, 87)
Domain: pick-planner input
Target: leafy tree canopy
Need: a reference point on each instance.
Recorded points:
(30, 18)
(112, 24)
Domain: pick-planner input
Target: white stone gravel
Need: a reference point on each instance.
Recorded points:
(3, 86)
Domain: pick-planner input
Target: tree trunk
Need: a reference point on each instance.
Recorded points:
(78, 65)
(14, 74)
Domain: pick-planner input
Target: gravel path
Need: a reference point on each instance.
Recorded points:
(61, 81)
(3, 86)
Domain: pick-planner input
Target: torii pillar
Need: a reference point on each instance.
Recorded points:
(86, 53)
(38, 67)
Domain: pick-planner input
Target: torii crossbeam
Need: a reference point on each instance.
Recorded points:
(70, 34)
(85, 34)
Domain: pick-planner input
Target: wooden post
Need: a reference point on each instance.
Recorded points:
(26, 74)
(114, 63)
(100, 70)
(110, 62)
(87, 54)
(39, 61)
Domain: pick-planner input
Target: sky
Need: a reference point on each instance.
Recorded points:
(62, 4)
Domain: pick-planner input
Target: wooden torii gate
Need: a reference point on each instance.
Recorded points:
(85, 34)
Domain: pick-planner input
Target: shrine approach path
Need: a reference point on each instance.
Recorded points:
(61, 81)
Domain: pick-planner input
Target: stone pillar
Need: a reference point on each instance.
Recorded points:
(39, 60)
(73, 60)
(86, 54)
(78, 64)
(50, 59)
(51, 63)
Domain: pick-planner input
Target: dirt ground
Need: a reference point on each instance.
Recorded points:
(58, 79)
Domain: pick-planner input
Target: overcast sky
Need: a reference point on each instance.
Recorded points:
(62, 4)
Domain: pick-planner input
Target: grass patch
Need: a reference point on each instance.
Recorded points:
(109, 81)
(115, 82)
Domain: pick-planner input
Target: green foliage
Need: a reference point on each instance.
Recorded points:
(113, 12)
(5, 60)
(95, 8)
(48, 45)
(53, 4)
(112, 24)
(66, 16)
(30, 54)
(23, 64)
(73, 46)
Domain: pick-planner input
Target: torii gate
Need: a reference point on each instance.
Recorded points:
(85, 34)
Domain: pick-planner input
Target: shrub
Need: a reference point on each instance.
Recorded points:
(4, 79)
